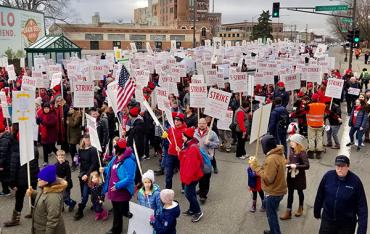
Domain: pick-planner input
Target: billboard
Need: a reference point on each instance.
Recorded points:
(19, 28)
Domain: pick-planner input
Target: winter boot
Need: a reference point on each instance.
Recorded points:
(80, 213)
(98, 216)
(318, 154)
(253, 207)
(15, 219)
(71, 205)
(299, 212)
(310, 154)
(286, 215)
(104, 215)
(29, 216)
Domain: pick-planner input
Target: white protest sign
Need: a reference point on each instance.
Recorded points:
(197, 79)
(133, 47)
(334, 88)
(4, 104)
(260, 99)
(56, 78)
(173, 44)
(12, 75)
(172, 88)
(99, 72)
(238, 82)
(217, 103)
(26, 145)
(22, 63)
(112, 95)
(320, 50)
(167, 111)
(354, 91)
(211, 77)
(28, 83)
(311, 74)
(83, 94)
(198, 95)
(139, 96)
(220, 80)
(291, 81)
(162, 97)
(3, 61)
(40, 64)
(140, 221)
(149, 48)
(23, 106)
(260, 128)
(94, 138)
(224, 123)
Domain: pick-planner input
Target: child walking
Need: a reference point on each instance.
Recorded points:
(97, 196)
(296, 179)
(63, 171)
(149, 194)
(254, 183)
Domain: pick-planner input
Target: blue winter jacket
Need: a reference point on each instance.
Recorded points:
(283, 95)
(126, 172)
(362, 119)
(165, 222)
(275, 116)
(343, 200)
(152, 201)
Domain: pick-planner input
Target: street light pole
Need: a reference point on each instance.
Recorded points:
(194, 16)
(353, 29)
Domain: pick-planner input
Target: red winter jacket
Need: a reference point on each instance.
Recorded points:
(60, 123)
(48, 126)
(191, 163)
(178, 133)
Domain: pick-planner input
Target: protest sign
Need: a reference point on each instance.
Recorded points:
(260, 99)
(291, 81)
(40, 64)
(4, 105)
(268, 77)
(28, 83)
(140, 221)
(354, 91)
(334, 88)
(94, 138)
(83, 94)
(173, 45)
(238, 82)
(197, 79)
(260, 123)
(112, 95)
(198, 95)
(23, 106)
(224, 123)
(211, 76)
(133, 47)
(220, 80)
(99, 72)
(56, 79)
(311, 73)
(217, 103)
(320, 50)
(162, 97)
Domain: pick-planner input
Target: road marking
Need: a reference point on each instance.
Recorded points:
(345, 150)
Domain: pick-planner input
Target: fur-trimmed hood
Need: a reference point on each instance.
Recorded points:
(58, 186)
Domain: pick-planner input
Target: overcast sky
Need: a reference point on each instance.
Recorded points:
(232, 11)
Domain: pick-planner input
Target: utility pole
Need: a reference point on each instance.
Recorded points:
(194, 17)
(306, 33)
(353, 28)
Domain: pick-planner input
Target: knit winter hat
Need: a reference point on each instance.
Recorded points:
(121, 143)
(167, 195)
(189, 133)
(299, 139)
(149, 174)
(268, 143)
(48, 174)
(280, 84)
(134, 111)
(315, 97)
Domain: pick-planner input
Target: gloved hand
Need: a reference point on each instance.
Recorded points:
(253, 163)
(164, 135)
(293, 166)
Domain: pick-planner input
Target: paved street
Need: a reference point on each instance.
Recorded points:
(226, 210)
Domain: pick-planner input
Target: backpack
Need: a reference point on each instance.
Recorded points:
(283, 122)
(365, 76)
(207, 165)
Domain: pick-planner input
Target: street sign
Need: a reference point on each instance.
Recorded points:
(332, 8)
(346, 20)
(343, 30)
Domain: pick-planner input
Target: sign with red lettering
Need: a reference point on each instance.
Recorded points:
(83, 94)
(311, 73)
(291, 81)
(162, 97)
(217, 103)
(99, 72)
(334, 88)
(197, 79)
(354, 91)
(28, 83)
(238, 82)
(211, 76)
(198, 95)
(224, 123)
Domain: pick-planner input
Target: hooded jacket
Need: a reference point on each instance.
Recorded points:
(175, 133)
(152, 200)
(342, 200)
(191, 162)
(5, 153)
(74, 128)
(362, 119)
(213, 141)
(272, 172)
(137, 134)
(165, 222)
(48, 126)
(47, 215)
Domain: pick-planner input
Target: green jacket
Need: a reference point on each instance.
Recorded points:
(47, 215)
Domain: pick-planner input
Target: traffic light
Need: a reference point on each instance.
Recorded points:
(350, 36)
(356, 36)
(275, 10)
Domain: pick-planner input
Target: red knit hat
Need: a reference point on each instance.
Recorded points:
(151, 85)
(178, 115)
(324, 82)
(57, 88)
(309, 85)
(134, 111)
(280, 84)
(258, 86)
(315, 97)
(189, 132)
(300, 94)
(121, 143)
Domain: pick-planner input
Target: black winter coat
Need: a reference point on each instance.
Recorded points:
(301, 160)
(17, 173)
(88, 159)
(103, 131)
(148, 123)
(5, 153)
(137, 133)
(191, 121)
(64, 172)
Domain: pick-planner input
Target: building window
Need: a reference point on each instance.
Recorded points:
(93, 37)
(224, 34)
(178, 44)
(183, 27)
(233, 34)
(204, 32)
(139, 45)
(237, 35)
(158, 45)
(116, 37)
(117, 44)
(220, 34)
(94, 45)
(229, 35)
(177, 37)
(171, 10)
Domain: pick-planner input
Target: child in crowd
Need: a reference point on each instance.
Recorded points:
(97, 196)
(63, 171)
(165, 221)
(108, 156)
(149, 194)
(254, 183)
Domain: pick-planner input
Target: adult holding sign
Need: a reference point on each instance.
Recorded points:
(352, 88)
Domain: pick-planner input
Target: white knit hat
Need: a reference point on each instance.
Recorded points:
(299, 139)
(149, 174)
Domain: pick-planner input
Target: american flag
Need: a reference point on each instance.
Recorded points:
(126, 89)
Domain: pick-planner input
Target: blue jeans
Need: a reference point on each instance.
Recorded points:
(333, 133)
(67, 198)
(359, 135)
(84, 193)
(164, 157)
(271, 205)
(172, 162)
(191, 195)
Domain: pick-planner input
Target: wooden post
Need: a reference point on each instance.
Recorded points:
(210, 129)
(83, 121)
(259, 132)
(100, 165)
(240, 99)
(198, 114)
(331, 103)
(137, 159)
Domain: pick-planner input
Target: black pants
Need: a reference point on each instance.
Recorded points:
(214, 162)
(240, 147)
(261, 193)
(291, 197)
(5, 186)
(204, 183)
(47, 149)
(19, 197)
(120, 209)
(148, 141)
(328, 227)
(350, 104)
(72, 151)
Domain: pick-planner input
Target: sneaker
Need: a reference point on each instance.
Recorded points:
(262, 209)
(72, 206)
(349, 144)
(202, 200)
(146, 157)
(188, 213)
(362, 144)
(197, 217)
(2, 194)
(228, 150)
(243, 157)
(328, 145)
(215, 170)
(266, 232)
(358, 148)
(182, 191)
(159, 172)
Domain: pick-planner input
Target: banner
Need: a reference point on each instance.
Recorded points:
(217, 103)
(291, 81)
(83, 94)
(198, 95)
(28, 83)
(334, 88)
(311, 74)
(94, 138)
(224, 123)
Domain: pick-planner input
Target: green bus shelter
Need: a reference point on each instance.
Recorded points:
(56, 48)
